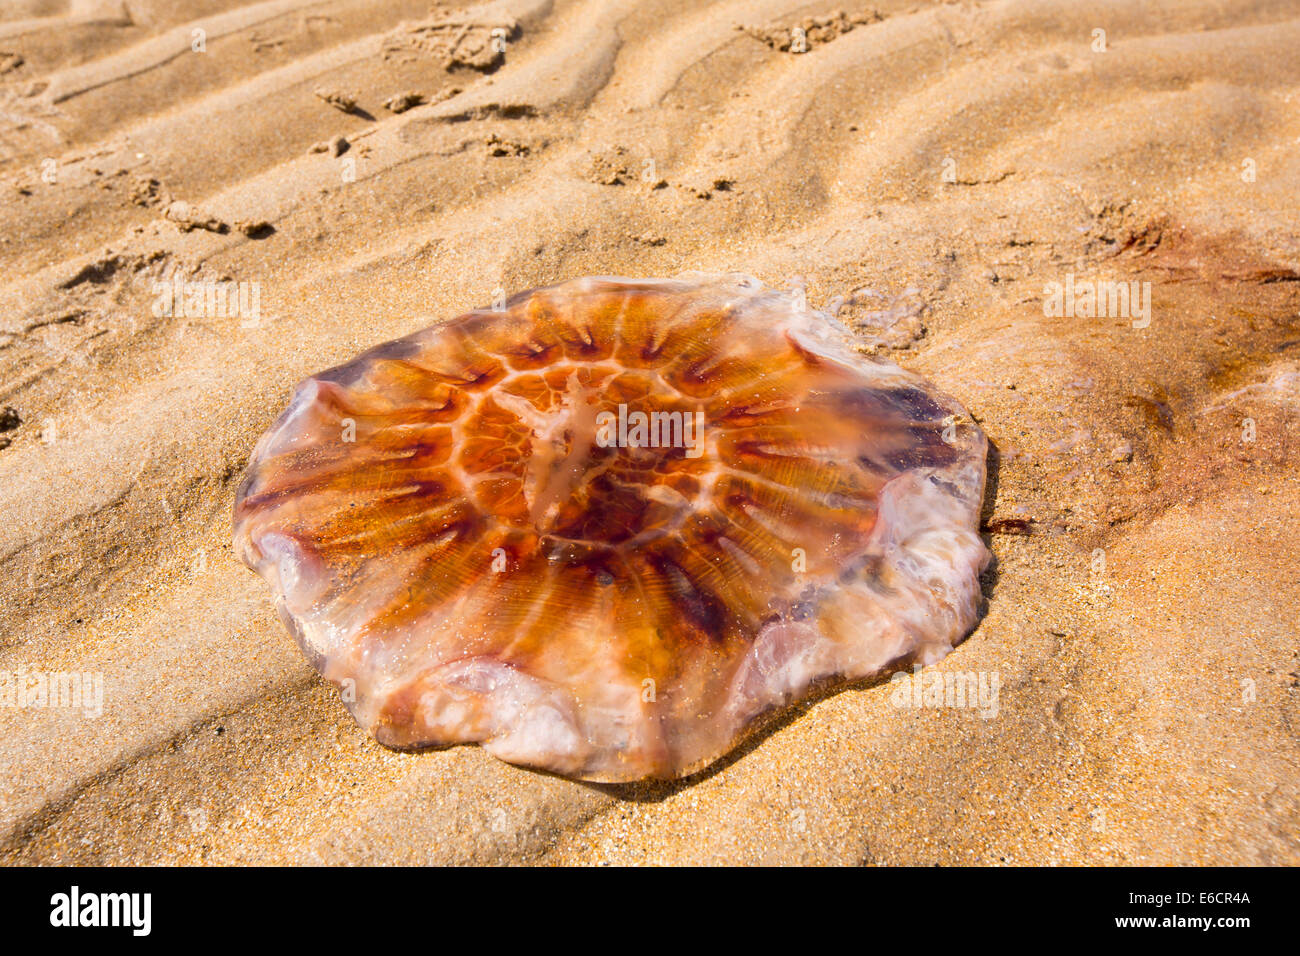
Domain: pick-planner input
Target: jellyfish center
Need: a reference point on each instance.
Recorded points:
(604, 458)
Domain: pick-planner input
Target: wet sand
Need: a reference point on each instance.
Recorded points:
(937, 167)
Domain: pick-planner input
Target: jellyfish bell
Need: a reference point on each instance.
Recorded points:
(605, 531)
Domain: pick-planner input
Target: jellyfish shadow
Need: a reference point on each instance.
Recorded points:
(992, 573)
(779, 718)
(656, 791)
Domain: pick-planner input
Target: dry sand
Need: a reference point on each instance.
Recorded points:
(1143, 608)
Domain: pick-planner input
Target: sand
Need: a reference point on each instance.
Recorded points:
(935, 166)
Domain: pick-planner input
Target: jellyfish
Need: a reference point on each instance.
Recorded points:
(611, 527)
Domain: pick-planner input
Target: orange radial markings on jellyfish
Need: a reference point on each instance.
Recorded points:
(606, 530)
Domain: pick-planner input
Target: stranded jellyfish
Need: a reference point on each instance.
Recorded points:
(605, 529)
